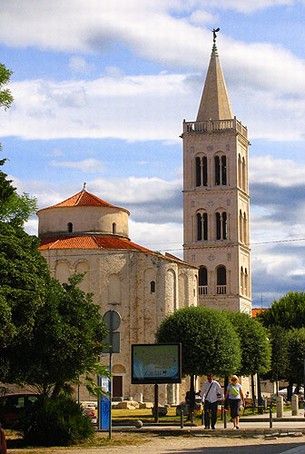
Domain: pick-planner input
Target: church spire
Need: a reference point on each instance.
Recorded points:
(214, 104)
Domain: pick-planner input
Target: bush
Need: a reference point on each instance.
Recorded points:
(56, 421)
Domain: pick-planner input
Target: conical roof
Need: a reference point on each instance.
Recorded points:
(214, 104)
(83, 199)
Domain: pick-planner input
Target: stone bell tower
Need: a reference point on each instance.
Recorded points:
(216, 200)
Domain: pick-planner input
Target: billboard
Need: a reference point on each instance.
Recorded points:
(156, 363)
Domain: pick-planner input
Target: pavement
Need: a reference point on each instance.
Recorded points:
(249, 426)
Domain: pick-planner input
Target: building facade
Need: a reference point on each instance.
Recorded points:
(216, 202)
(85, 234)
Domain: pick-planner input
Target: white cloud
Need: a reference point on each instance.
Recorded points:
(86, 165)
(138, 108)
(248, 6)
(280, 172)
(153, 236)
(131, 108)
(261, 77)
(79, 65)
(135, 190)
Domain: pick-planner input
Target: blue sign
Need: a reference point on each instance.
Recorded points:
(104, 409)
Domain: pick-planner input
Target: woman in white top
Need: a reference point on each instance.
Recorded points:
(236, 398)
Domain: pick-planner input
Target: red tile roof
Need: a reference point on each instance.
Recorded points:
(89, 242)
(84, 199)
(257, 311)
(98, 242)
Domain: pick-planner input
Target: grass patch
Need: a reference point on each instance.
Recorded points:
(145, 415)
(14, 441)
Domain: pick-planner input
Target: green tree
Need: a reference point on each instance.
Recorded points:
(209, 342)
(280, 355)
(24, 276)
(14, 208)
(254, 342)
(6, 97)
(296, 350)
(284, 315)
(67, 340)
(288, 312)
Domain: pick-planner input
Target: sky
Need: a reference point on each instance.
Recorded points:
(100, 92)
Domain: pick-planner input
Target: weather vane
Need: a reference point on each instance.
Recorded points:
(215, 30)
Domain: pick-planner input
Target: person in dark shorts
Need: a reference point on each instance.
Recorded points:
(236, 398)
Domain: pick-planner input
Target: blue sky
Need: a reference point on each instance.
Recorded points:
(100, 92)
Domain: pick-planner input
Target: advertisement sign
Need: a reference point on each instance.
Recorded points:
(156, 363)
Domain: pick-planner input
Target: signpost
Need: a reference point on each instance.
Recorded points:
(112, 320)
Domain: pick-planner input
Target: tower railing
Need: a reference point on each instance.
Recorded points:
(215, 125)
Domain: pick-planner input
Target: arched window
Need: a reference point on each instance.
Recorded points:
(114, 228)
(199, 227)
(217, 170)
(241, 227)
(221, 226)
(244, 173)
(152, 286)
(203, 280)
(241, 280)
(239, 172)
(198, 172)
(221, 280)
(245, 236)
(220, 170)
(202, 226)
(246, 282)
(201, 171)
(70, 227)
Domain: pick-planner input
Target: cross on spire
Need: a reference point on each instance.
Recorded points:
(214, 31)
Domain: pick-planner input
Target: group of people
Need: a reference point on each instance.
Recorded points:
(212, 392)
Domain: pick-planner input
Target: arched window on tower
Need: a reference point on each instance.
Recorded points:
(239, 171)
(203, 280)
(220, 163)
(223, 170)
(244, 226)
(221, 226)
(246, 282)
(113, 228)
(217, 170)
(241, 227)
(244, 173)
(202, 226)
(241, 280)
(201, 171)
(70, 227)
(221, 280)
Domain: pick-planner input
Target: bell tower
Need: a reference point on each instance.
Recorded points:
(216, 201)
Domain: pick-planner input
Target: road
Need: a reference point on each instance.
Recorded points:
(190, 445)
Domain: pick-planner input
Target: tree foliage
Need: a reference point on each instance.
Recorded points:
(49, 334)
(288, 312)
(296, 349)
(55, 422)
(254, 342)
(6, 97)
(67, 339)
(285, 320)
(209, 341)
(280, 353)
(14, 208)
(24, 276)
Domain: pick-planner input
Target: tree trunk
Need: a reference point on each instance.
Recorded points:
(192, 397)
